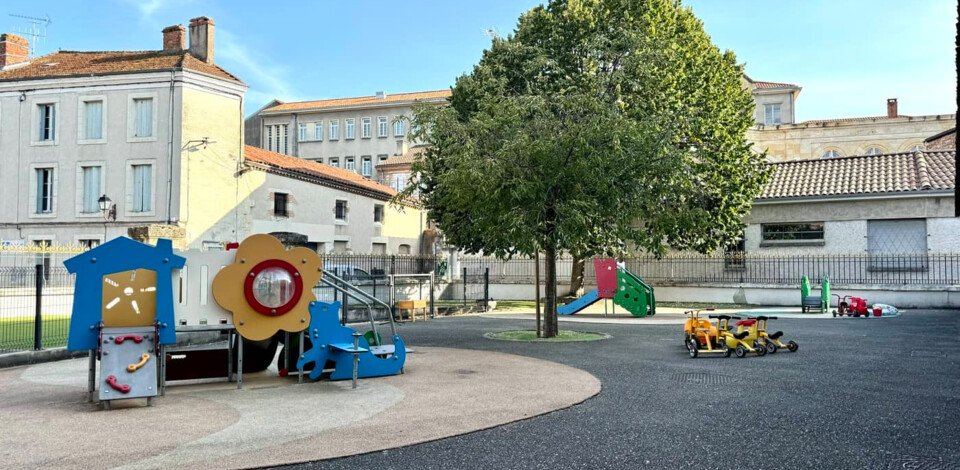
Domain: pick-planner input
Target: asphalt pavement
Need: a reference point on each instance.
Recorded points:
(860, 393)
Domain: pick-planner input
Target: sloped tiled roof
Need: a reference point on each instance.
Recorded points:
(316, 172)
(359, 101)
(74, 63)
(862, 175)
(942, 141)
(407, 158)
(771, 85)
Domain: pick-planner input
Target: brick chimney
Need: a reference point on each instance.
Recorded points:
(201, 38)
(892, 107)
(13, 49)
(174, 38)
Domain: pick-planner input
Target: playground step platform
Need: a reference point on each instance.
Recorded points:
(386, 349)
(347, 347)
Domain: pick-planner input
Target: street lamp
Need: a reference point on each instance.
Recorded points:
(109, 211)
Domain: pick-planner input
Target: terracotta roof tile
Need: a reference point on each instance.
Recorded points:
(861, 175)
(359, 101)
(407, 158)
(72, 63)
(312, 170)
(769, 85)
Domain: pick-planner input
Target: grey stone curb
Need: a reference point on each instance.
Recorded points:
(24, 358)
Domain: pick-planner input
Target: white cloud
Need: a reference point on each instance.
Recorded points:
(267, 79)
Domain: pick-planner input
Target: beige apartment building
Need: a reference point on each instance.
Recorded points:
(149, 144)
(777, 132)
(356, 134)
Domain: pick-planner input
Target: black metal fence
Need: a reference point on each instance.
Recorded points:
(928, 269)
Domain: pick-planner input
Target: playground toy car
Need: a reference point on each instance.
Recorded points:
(772, 341)
(853, 306)
(747, 338)
(700, 336)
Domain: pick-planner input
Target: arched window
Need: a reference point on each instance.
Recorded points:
(874, 150)
(831, 153)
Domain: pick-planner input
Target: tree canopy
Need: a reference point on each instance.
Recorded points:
(597, 127)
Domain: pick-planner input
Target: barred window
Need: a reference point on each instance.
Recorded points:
(792, 232)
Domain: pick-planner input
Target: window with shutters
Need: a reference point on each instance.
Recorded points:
(142, 117)
(91, 188)
(277, 138)
(91, 118)
(46, 123)
(897, 244)
(142, 188)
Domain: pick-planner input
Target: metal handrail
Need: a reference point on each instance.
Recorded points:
(373, 324)
(393, 326)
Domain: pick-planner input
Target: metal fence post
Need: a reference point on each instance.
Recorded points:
(486, 289)
(464, 280)
(38, 306)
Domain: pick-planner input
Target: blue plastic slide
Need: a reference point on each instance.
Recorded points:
(577, 305)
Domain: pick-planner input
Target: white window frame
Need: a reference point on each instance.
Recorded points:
(302, 132)
(128, 193)
(79, 186)
(349, 128)
(366, 127)
(131, 116)
(350, 163)
(399, 127)
(32, 199)
(77, 238)
(879, 150)
(334, 162)
(82, 119)
(836, 153)
(318, 131)
(366, 166)
(382, 126)
(334, 129)
(767, 111)
(35, 122)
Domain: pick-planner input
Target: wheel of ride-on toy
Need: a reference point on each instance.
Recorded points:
(771, 348)
(760, 349)
(686, 340)
(726, 349)
(793, 346)
(692, 348)
(741, 351)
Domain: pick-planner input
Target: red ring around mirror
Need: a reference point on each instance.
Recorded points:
(273, 311)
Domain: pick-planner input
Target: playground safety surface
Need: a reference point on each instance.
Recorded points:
(48, 423)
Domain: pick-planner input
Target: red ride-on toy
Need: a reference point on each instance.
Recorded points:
(852, 306)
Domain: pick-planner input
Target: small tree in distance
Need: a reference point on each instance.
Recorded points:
(599, 127)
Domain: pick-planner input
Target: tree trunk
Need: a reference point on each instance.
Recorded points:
(550, 327)
(576, 277)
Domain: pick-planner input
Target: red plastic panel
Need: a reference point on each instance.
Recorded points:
(606, 269)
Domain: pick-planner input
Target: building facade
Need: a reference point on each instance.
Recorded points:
(356, 134)
(149, 144)
(777, 132)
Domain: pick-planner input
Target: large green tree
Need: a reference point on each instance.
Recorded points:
(597, 127)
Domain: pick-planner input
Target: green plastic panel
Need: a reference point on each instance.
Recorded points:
(633, 294)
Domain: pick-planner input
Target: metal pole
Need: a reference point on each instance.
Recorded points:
(536, 276)
(91, 375)
(356, 356)
(486, 288)
(464, 280)
(433, 313)
(38, 305)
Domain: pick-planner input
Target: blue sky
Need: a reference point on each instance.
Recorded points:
(848, 55)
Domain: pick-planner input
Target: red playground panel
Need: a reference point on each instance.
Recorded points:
(606, 273)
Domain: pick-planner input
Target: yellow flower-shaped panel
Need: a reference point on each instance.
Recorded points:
(268, 288)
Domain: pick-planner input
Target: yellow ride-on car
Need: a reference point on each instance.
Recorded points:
(702, 337)
(747, 338)
(772, 341)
